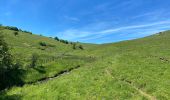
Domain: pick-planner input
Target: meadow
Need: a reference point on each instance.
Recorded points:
(128, 70)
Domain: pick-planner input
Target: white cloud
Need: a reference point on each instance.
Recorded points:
(71, 34)
(158, 14)
(148, 28)
(134, 26)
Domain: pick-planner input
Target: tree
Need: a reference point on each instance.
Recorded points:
(56, 38)
(10, 74)
(34, 60)
(5, 56)
(5, 63)
(66, 42)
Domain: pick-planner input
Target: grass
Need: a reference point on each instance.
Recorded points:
(25, 44)
(128, 70)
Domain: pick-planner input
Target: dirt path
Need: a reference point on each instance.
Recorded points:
(148, 96)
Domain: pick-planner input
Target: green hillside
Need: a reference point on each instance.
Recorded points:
(129, 70)
(56, 54)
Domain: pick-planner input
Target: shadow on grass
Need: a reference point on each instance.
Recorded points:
(40, 69)
(11, 77)
(4, 96)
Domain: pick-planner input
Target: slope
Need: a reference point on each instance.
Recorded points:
(128, 70)
(53, 56)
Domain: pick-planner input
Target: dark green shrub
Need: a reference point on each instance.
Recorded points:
(64, 41)
(56, 38)
(16, 33)
(27, 32)
(12, 28)
(42, 44)
(81, 47)
(71, 43)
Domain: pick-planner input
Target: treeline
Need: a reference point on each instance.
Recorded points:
(17, 30)
(61, 40)
(14, 29)
(74, 44)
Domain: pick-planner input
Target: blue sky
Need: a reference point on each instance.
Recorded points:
(94, 21)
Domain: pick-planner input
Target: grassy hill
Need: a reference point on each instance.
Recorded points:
(129, 70)
(58, 55)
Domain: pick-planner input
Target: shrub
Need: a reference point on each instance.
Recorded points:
(61, 40)
(42, 44)
(71, 43)
(34, 60)
(27, 32)
(15, 33)
(64, 41)
(12, 28)
(56, 38)
(81, 47)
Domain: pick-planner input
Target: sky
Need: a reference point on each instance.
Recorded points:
(89, 21)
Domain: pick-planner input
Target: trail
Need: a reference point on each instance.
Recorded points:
(148, 96)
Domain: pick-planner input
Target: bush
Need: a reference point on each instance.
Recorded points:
(34, 60)
(42, 44)
(56, 38)
(61, 40)
(27, 32)
(12, 28)
(64, 41)
(81, 47)
(15, 33)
